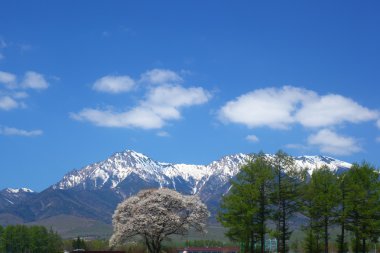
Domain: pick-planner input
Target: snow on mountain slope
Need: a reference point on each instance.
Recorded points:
(11, 196)
(314, 162)
(111, 172)
(17, 190)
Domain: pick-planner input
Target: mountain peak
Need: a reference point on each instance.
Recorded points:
(18, 190)
(111, 172)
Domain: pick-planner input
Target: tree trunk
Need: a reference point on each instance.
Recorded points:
(252, 242)
(343, 220)
(357, 240)
(262, 218)
(283, 227)
(279, 211)
(364, 246)
(342, 248)
(326, 235)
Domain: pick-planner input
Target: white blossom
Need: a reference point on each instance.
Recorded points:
(156, 214)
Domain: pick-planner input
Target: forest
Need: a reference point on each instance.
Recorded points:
(271, 198)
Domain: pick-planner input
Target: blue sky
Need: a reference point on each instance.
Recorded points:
(184, 81)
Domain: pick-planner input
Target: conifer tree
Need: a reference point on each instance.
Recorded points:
(288, 182)
(363, 209)
(246, 209)
(323, 193)
(341, 215)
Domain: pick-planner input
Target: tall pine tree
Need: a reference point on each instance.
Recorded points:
(246, 209)
(288, 182)
(323, 197)
(362, 205)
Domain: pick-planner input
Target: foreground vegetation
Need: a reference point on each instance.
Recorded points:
(33, 239)
(274, 190)
(337, 212)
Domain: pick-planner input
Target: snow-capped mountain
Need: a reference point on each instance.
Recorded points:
(11, 196)
(117, 168)
(111, 172)
(95, 190)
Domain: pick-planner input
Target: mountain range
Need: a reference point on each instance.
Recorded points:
(93, 192)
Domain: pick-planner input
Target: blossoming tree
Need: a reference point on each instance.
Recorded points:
(156, 214)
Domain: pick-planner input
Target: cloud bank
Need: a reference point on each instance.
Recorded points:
(114, 84)
(19, 132)
(286, 106)
(163, 102)
(12, 91)
(283, 108)
(332, 143)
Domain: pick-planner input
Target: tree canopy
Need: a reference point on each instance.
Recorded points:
(33, 239)
(273, 189)
(156, 214)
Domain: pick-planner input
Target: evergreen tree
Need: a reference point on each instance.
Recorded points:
(323, 196)
(311, 243)
(79, 243)
(33, 239)
(39, 239)
(288, 182)
(362, 205)
(1, 239)
(341, 216)
(55, 243)
(245, 210)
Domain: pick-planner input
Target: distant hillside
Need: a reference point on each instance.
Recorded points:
(90, 195)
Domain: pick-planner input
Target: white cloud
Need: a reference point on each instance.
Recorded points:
(7, 103)
(378, 123)
(283, 107)
(160, 76)
(331, 110)
(163, 134)
(252, 138)
(8, 79)
(137, 117)
(162, 103)
(34, 80)
(332, 143)
(265, 107)
(176, 95)
(114, 84)
(19, 132)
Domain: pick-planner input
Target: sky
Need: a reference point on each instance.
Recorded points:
(184, 82)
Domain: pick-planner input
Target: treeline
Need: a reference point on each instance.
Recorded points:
(275, 190)
(29, 239)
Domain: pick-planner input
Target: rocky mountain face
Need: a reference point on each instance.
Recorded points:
(95, 190)
(11, 197)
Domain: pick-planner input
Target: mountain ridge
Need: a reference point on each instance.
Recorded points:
(95, 190)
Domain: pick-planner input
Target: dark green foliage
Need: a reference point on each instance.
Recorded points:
(288, 184)
(311, 243)
(246, 209)
(341, 215)
(34, 239)
(362, 205)
(342, 244)
(275, 189)
(322, 196)
(79, 243)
